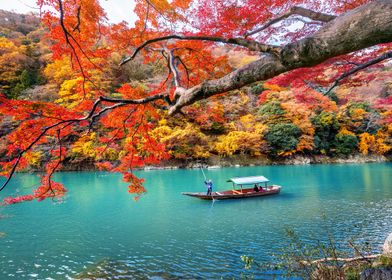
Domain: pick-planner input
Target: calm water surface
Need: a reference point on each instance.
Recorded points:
(100, 230)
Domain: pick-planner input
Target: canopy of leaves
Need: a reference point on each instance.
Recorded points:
(65, 97)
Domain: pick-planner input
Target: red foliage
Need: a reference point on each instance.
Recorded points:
(78, 29)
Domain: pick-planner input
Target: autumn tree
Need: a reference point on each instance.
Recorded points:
(296, 38)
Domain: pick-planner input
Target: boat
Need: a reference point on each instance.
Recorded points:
(241, 189)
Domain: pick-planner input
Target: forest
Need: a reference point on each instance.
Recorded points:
(79, 92)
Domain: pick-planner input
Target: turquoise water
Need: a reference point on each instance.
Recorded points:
(169, 236)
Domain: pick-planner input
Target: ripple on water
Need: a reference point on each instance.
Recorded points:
(99, 232)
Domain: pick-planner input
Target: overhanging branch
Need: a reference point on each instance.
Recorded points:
(360, 67)
(249, 44)
(317, 16)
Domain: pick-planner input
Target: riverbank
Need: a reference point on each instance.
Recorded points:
(237, 161)
(246, 160)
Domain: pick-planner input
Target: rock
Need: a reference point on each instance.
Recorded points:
(387, 248)
(376, 274)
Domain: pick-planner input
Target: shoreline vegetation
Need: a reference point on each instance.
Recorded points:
(215, 162)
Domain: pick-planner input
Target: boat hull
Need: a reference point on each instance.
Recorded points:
(235, 194)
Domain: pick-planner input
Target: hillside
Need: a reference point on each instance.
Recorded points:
(273, 120)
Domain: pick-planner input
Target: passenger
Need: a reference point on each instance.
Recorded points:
(209, 186)
(256, 188)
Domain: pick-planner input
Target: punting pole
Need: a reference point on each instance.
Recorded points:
(205, 178)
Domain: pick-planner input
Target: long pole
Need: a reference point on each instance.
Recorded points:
(205, 178)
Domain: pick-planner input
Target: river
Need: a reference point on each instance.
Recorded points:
(98, 229)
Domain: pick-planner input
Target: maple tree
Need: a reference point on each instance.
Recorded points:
(122, 123)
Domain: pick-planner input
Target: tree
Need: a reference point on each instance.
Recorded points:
(283, 138)
(184, 35)
(346, 142)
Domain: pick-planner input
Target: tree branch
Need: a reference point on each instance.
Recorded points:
(360, 258)
(77, 26)
(317, 16)
(362, 27)
(121, 102)
(249, 44)
(133, 101)
(360, 67)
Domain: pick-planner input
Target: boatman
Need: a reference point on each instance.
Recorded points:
(209, 186)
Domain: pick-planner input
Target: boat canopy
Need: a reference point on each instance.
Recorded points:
(248, 180)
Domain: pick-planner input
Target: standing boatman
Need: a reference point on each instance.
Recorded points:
(209, 186)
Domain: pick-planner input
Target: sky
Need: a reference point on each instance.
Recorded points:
(117, 10)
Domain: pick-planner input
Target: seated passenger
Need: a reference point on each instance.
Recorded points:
(256, 188)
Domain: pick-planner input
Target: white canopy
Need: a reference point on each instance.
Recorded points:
(248, 180)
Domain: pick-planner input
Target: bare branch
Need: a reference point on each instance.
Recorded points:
(317, 16)
(186, 68)
(249, 44)
(173, 68)
(360, 258)
(360, 67)
(77, 26)
(133, 101)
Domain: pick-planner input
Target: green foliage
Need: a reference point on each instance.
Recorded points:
(321, 259)
(26, 79)
(385, 261)
(256, 89)
(326, 127)
(271, 109)
(282, 137)
(345, 144)
(359, 105)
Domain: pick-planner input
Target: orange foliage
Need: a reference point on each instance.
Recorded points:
(128, 135)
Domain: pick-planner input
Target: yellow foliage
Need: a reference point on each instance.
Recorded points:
(85, 145)
(373, 143)
(300, 116)
(110, 154)
(59, 71)
(12, 60)
(73, 90)
(68, 93)
(34, 158)
(239, 142)
(357, 114)
(287, 153)
(161, 131)
(381, 147)
(183, 142)
(247, 122)
(305, 143)
(345, 131)
(366, 142)
(273, 87)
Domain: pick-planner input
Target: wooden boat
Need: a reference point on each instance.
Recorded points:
(239, 191)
